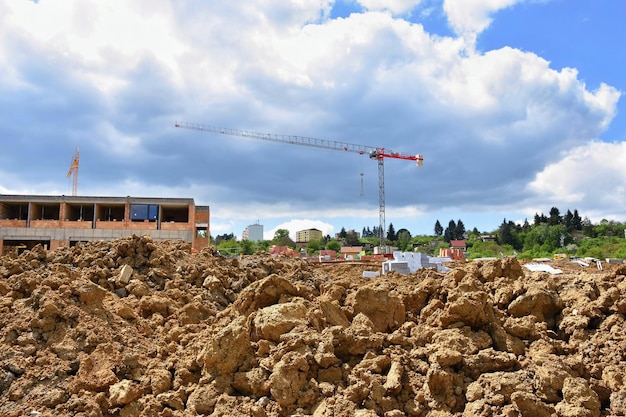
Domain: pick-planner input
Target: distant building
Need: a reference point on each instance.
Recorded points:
(327, 255)
(64, 221)
(367, 246)
(283, 250)
(253, 233)
(458, 244)
(351, 252)
(456, 251)
(309, 235)
(456, 254)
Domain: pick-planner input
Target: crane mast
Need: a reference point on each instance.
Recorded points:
(74, 171)
(374, 153)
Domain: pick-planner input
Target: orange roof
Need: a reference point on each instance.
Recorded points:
(351, 249)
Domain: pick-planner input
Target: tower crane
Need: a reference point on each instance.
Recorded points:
(74, 171)
(375, 153)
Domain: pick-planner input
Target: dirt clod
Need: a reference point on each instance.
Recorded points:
(135, 327)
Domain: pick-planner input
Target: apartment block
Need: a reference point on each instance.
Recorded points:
(253, 233)
(309, 235)
(63, 221)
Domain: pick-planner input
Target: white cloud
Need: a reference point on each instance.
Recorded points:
(470, 17)
(97, 41)
(295, 225)
(396, 7)
(487, 123)
(117, 143)
(588, 177)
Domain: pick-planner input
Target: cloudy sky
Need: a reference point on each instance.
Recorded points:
(515, 104)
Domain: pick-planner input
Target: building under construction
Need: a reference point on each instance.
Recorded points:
(63, 221)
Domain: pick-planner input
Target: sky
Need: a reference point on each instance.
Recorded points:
(515, 105)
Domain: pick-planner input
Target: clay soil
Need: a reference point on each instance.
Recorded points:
(135, 327)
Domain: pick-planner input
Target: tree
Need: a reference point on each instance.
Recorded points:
(459, 230)
(221, 238)
(247, 247)
(281, 238)
(313, 246)
(511, 234)
(228, 247)
(504, 233)
(608, 228)
(391, 233)
(404, 239)
(352, 240)
(568, 220)
(555, 217)
(343, 233)
(281, 233)
(448, 234)
(545, 239)
(285, 241)
(333, 245)
(577, 222)
(586, 226)
(438, 228)
(540, 218)
(264, 245)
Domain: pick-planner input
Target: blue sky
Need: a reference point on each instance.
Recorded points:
(515, 104)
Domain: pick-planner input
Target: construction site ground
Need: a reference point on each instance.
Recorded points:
(135, 327)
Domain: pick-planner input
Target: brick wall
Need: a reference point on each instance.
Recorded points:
(176, 226)
(12, 223)
(45, 224)
(200, 242)
(76, 224)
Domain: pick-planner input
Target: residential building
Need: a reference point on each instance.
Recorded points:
(458, 244)
(351, 252)
(327, 255)
(456, 251)
(253, 233)
(62, 221)
(309, 235)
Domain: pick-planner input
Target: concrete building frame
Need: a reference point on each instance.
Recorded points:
(63, 221)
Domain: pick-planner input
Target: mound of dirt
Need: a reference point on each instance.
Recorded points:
(136, 327)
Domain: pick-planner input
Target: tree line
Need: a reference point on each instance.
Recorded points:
(569, 234)
(547, 234)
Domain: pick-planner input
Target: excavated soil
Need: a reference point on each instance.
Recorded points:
(135, 327)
